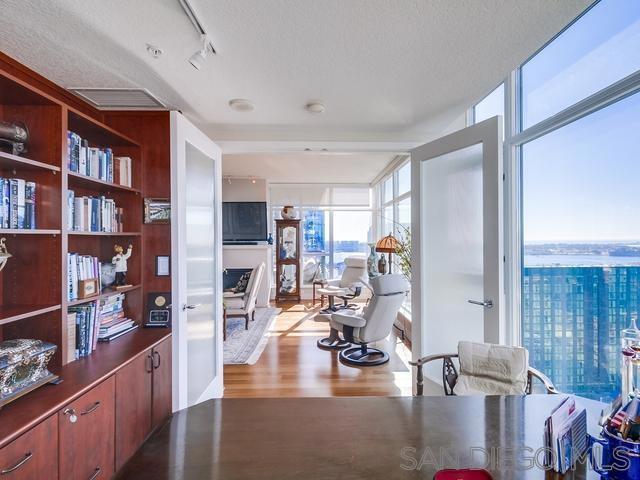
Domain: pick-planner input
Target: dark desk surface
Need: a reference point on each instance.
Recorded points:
(350, 438)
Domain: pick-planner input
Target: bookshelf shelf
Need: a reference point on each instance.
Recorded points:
(83, 181)
(97, 132)
(8, 161)
(13, 313)
(105, 234)
(26, 231)
(105, 293)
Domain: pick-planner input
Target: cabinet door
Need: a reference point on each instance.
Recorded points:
(32, 455)
(133, 406)
(86, 432)
(162, 382)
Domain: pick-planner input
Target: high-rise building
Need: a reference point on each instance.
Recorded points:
(572, 319)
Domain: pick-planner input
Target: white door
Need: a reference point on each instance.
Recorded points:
(457, 237)
(196, 264)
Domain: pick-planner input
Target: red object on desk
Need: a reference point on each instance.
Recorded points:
(464, 474)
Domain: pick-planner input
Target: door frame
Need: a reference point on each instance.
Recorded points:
(488, 133)
(183, 132)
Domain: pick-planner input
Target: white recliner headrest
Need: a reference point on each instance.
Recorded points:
(389, 284)
(358, 262)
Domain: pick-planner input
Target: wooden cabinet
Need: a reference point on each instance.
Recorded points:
(288, 256)
(86, 434)
(143, 399)
(32, 455)
(133, 406)
(162, 406)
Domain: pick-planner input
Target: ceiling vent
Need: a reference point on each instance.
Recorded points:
(119, 98)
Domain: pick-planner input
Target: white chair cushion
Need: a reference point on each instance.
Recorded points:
(334, 291)
(487, 369)
(233, 303)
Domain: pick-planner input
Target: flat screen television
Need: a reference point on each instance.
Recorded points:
(244, 222)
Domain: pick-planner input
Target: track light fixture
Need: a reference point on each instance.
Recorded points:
(198, 59)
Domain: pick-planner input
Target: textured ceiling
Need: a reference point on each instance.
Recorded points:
(307, 167)
(386, 70)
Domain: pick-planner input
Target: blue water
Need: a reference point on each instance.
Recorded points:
(579, 260)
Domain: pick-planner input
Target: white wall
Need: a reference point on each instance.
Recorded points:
(244, 190)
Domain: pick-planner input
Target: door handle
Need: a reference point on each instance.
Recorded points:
(485, 303)
(26, 458)
(192, 306)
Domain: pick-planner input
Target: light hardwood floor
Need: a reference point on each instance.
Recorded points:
(293, 366)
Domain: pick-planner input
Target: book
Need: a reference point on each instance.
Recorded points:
(30, 205)
(119, 334)
(71, 337)
(93, 214)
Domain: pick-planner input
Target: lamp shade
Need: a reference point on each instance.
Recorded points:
(387, 244)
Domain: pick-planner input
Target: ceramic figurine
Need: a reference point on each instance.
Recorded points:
(120, 261)
(4, 254)
(288, 212)
(382, 265)
(372, 262)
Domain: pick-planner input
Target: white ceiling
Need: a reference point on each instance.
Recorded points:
(307, 167)
(386, 70)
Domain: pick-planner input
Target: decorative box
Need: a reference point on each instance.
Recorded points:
(23, 367)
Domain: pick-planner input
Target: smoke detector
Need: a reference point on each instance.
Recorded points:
(241, 105)
(315, 108)
(155, 52)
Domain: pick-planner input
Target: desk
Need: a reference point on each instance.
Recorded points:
(346, 438)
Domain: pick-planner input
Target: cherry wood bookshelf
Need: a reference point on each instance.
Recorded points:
(33, 284)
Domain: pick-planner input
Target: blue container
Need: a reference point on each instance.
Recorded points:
(620, 458)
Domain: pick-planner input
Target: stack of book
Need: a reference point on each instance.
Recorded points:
(93, 214)
(86, 331)
(80, 267)
(96, 162)
(17, 203)
(113, 323)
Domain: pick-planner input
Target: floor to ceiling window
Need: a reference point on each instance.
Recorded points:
(580, 211)
(394, 207)
(337, 222)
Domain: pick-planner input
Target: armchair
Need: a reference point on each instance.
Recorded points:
(374, 324)
(484, 370)
(243, 304)
(348, 286)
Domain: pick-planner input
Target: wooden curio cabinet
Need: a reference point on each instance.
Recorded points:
(288, 247)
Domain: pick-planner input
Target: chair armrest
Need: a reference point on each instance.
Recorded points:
(350, 320)
(449, 373)
(232, 294)
(430, 358)
(546, 381)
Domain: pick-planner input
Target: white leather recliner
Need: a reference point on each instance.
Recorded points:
(347, 287)
(374, 324)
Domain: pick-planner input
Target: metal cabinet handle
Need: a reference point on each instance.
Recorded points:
(92, 409)
(156, 355)
(96, 473)
(26, 458)
(485, 303)
(149, 368)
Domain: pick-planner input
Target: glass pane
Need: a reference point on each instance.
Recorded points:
(288, 279)
(387, 223)
(200, 249)
(581, 278)
(388, 190)
(599, 49)
(453, 252)
(288, 243)
(490, 106)
(351, 233)
(404, 179)
(315, 232)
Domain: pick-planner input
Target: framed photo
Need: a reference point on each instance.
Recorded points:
(163, 265)
(157, 210)
(87, 288)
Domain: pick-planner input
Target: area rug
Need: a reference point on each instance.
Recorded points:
(244, 347)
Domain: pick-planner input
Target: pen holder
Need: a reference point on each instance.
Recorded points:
(620, 458)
